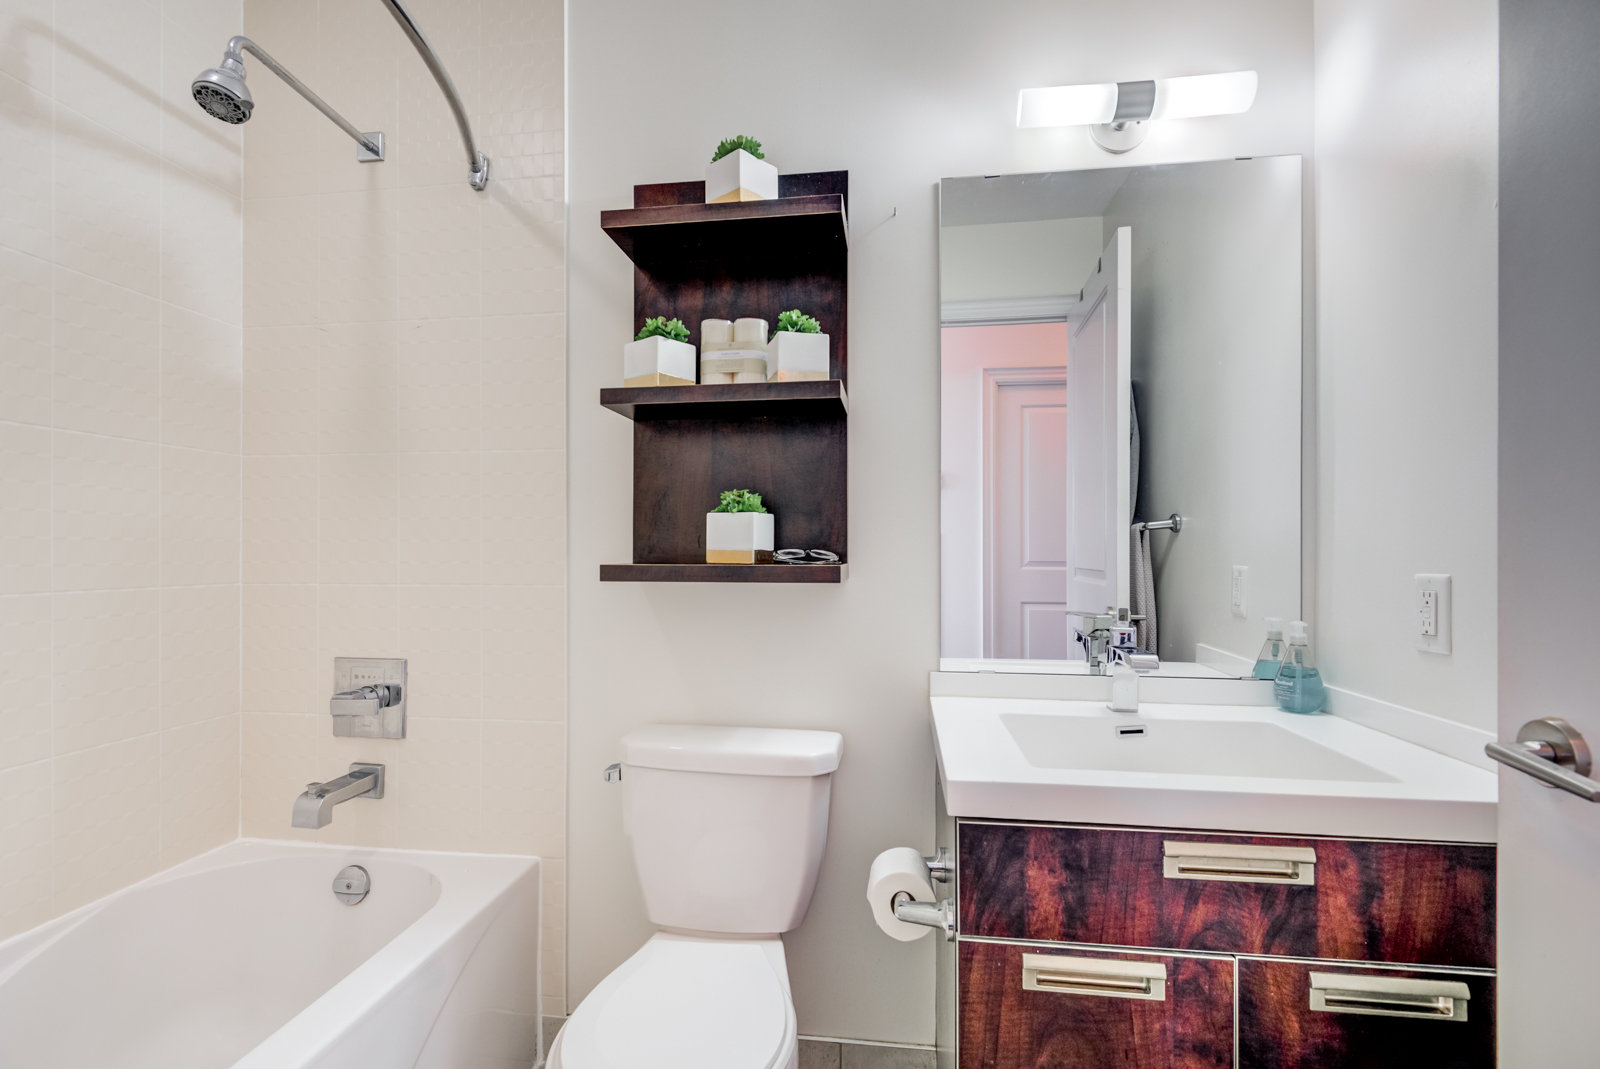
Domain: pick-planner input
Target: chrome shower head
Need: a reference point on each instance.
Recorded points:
(222, 92)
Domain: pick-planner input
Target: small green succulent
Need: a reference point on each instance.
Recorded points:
(797, 322)
(730, 145)
(663, 327)
(740, 501)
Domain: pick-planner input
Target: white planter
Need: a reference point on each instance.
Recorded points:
(740, 176)
(796, 357)
(739, 537)
(658, 361)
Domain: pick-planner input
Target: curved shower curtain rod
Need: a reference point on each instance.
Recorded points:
(477, 162)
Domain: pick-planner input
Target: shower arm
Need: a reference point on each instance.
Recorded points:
(243, 44)
(477, 162)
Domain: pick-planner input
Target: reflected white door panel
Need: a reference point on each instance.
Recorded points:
(1025, 579)
(1098, 456)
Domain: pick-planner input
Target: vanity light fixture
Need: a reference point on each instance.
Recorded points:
(1116, 112)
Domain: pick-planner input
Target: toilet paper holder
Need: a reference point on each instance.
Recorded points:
(940, 914)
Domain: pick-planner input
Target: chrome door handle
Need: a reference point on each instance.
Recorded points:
(1552, 751)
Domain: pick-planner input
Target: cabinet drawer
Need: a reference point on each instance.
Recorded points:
(1366, 900)
(1361, 1019)
(1061, 1008)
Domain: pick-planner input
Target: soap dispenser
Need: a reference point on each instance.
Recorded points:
(1271, 655)
(1299, 686)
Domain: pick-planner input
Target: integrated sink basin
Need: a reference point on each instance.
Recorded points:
(1225, 767)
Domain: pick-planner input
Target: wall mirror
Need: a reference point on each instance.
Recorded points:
(1120, 347)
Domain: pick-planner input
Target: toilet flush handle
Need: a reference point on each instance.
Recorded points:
(614, 773)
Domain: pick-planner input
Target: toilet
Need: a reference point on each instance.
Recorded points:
(727, 826)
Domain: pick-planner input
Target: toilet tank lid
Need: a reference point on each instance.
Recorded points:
(740, 751)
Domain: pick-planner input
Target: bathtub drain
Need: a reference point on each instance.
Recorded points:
(352, 884)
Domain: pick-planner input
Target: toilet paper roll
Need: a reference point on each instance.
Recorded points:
(893, 871)
(716, 334)
(750, 332)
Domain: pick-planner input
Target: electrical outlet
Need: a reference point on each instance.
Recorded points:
(1240, 571)
(1433, 613)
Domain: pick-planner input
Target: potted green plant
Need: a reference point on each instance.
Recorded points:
(798, 351)
(739, 530)
(660, 355)
(740, 172)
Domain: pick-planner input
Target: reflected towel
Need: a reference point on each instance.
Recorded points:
(1142, 586)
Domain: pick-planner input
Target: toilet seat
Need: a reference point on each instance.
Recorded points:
(684, 1002)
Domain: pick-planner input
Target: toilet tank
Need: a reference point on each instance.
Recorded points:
(727, 824)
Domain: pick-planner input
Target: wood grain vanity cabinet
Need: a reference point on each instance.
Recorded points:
(1149, 949)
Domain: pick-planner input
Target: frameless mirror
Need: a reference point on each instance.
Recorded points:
(1120, 424)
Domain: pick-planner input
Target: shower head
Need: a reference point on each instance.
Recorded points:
(222, 92)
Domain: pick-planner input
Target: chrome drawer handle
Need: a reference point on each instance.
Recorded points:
(1238, 863)
(1389, 996)
(1064, 975)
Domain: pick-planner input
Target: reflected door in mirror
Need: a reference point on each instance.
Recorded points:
(1026, 443)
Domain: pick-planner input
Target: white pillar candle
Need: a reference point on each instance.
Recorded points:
(716, 334)
(750, 333)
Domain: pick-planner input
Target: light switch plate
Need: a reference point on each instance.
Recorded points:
(351, 673)
(1236, 589)
(1431, 625)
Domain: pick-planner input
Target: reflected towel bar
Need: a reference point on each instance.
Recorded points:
(1173, 523)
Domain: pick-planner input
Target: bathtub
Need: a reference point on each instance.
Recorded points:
(243, 957)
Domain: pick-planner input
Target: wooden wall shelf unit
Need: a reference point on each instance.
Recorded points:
(784, 440)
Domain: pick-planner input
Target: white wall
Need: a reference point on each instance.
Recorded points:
(404, 469)
(1036, 258)
(119, 450)
(1216, 362)
(900, 98)
(1406, 369)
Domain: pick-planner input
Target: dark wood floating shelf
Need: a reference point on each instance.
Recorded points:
(790, 228)
(824, 399)
(724, 573)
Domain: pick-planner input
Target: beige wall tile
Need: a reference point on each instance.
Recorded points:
(280, 260)
(357, 379)
(524, 517)
(553, 936)
(25, 635)
(440, 531)
(363, 82)
(24, 509)
(355, 621)
(441, 762)
(438, 384)
(522, 250)
(358, 261)
(434, 155)
(282, 148)
(26, 211)
(30, 59)
(199, 517)
(280, 519)
(280, 396)
(357, 513)
(196, 216)
(279, 657)
(106, 667)
(107, 205)
(106, 505)
(440, 635)
(25, 847)
(199, 654)
(202, 380)
(525, 626)
(107, 816)
(524, 382)
(108, 66)
(25, 336)
(438, 267)
(199, 787)
(107, 358)
(524, 788)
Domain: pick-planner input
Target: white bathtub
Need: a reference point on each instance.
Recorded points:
(243, 957)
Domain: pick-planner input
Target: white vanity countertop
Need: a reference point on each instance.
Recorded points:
(1224, 767)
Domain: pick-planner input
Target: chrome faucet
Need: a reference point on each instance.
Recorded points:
(1097, 635)
(314, 808)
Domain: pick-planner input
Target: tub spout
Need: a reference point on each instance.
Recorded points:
(314, 808)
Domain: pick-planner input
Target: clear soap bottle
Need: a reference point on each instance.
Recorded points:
(1271, 655)
(1299, 686)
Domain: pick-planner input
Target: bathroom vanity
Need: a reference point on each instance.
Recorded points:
(1321, 896)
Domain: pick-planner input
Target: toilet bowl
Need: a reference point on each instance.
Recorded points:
(727, 827)
(686, 1002)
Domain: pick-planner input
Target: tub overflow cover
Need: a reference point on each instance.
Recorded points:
(352, 884)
